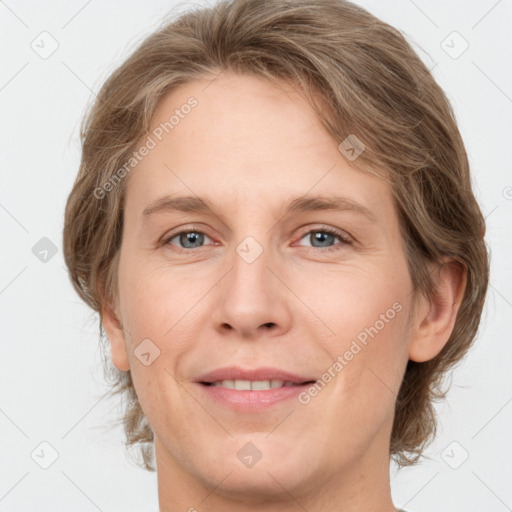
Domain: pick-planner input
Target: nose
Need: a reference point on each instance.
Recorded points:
(252, 300)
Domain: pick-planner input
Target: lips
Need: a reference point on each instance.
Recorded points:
(262, 374)
(252, 390)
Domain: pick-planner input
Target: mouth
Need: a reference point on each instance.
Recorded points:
(255, 385)
(252, 390)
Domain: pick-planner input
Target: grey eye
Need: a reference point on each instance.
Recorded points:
(189, 239)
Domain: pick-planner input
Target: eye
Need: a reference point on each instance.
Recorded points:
(321, 238)
(324, 238)
(188, 239)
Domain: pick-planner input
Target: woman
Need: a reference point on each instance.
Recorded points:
(274, 219)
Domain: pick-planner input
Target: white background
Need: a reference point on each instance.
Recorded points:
(50, 365)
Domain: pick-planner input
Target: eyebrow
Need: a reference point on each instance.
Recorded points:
(301, 204)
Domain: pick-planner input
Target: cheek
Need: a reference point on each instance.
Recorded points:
(154, 300)
(165, 307)
(352, 303)
(362, 394)
(362, 332)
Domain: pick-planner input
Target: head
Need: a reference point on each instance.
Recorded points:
(262, 112)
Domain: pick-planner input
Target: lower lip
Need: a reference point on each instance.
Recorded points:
(249, 400)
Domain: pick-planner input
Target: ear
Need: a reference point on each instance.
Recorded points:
(115, 333)
(434, 320)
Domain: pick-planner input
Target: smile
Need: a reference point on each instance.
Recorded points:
(254, 385)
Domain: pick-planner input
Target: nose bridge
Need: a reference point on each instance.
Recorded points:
(251, 298)
(250, 272)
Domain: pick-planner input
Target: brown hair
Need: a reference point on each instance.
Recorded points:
(375, 87)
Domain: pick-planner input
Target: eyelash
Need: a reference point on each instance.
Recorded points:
(345, 240)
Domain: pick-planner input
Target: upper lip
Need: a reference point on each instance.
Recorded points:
(253, 374)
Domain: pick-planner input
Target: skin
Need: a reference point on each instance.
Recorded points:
(249, 147)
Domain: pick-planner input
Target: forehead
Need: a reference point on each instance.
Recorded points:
(244, 138)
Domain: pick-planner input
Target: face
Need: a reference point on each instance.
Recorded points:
(254, 256)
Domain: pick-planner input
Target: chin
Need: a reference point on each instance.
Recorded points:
(253, 466)
(253, 486)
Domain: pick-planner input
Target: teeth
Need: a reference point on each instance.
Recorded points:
(242, 385)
